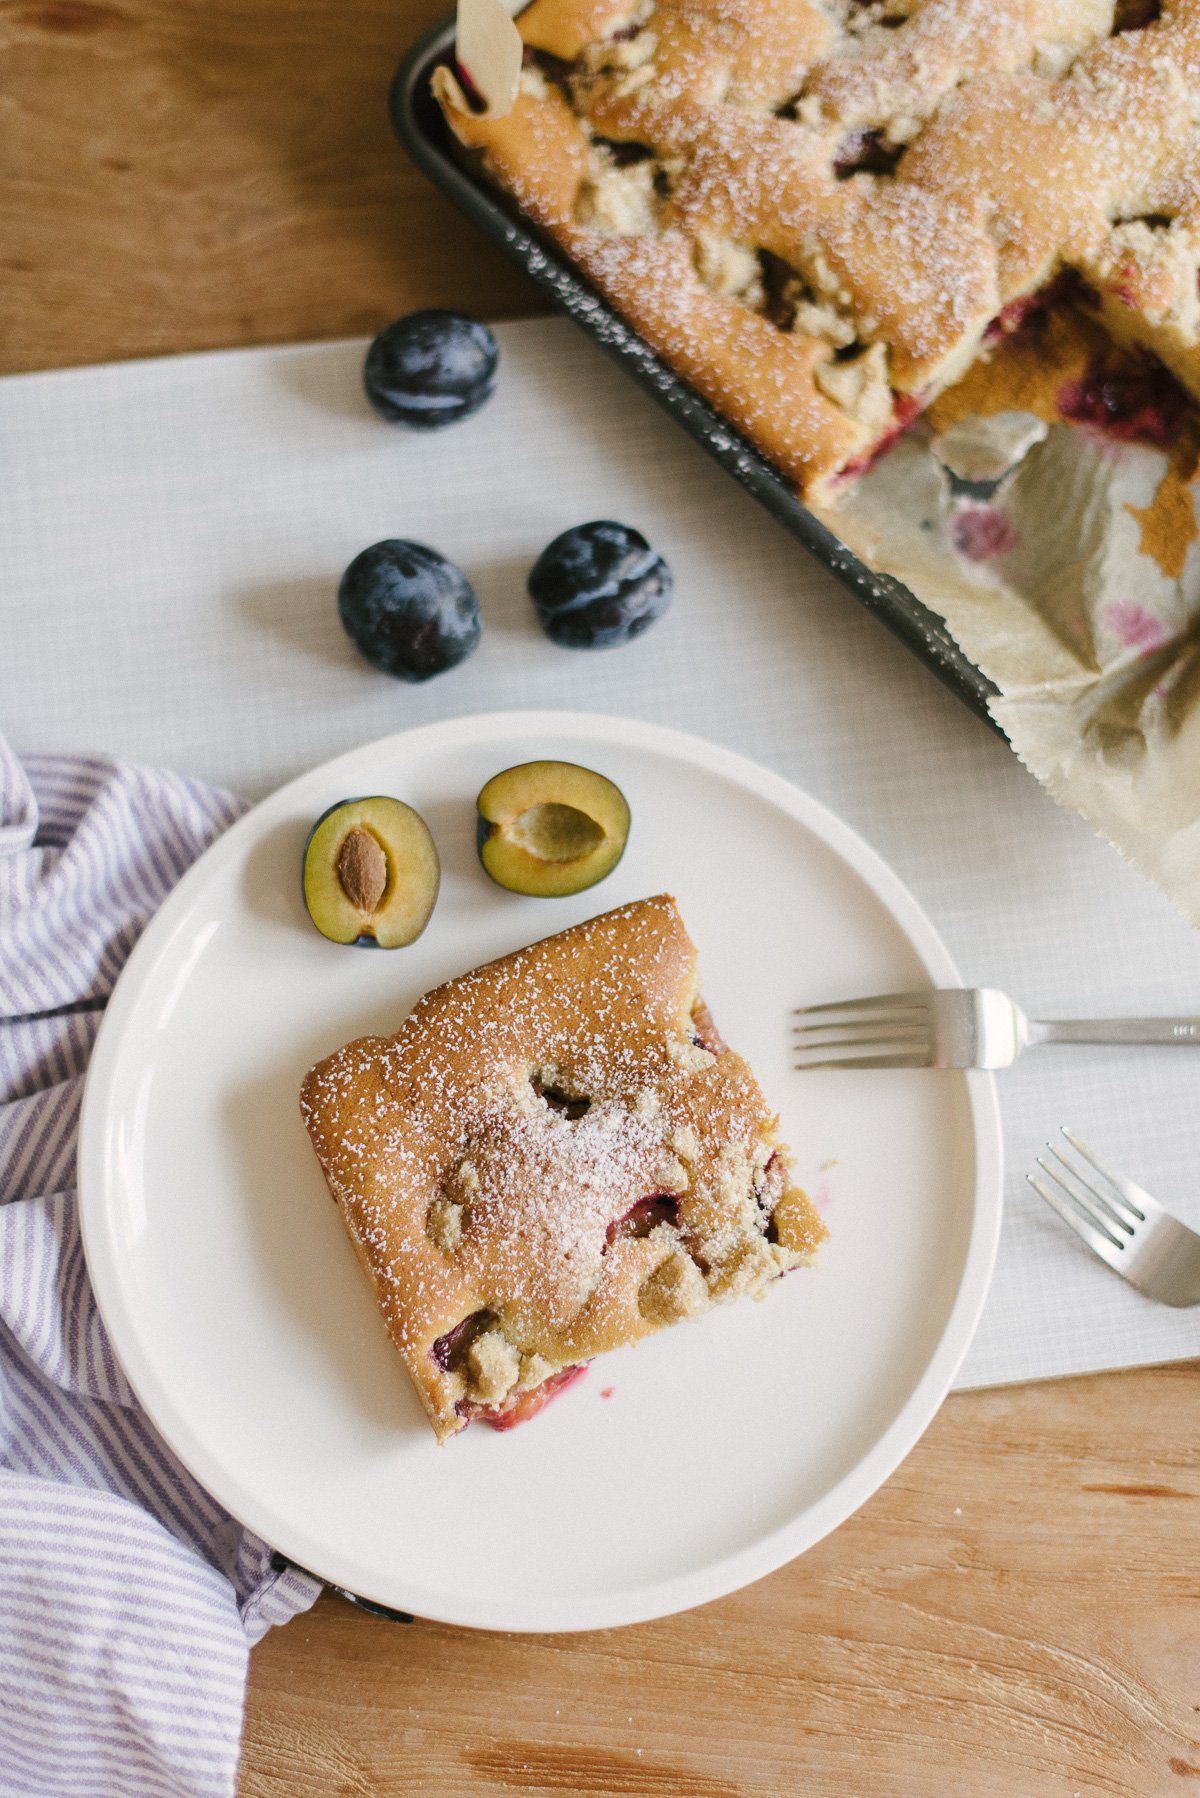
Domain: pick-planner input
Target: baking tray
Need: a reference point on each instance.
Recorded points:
(419, 124)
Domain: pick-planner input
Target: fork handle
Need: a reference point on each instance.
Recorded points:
(1140, 1031)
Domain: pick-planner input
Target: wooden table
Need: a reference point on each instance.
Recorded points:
(1018, 1610)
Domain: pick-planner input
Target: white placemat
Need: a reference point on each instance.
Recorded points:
(175, 533)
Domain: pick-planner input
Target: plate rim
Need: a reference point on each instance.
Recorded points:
(716, 1578)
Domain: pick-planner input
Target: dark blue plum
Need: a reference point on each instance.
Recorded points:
(431, 369)
(409, 610)
(599, 584)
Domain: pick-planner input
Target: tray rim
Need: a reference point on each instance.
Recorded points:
(412, 110)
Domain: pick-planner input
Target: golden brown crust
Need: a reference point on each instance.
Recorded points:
(486, 1159)
(909, 167)
(761, 378)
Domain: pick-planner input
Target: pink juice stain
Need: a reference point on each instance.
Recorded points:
(1134, 626)
(981, 532)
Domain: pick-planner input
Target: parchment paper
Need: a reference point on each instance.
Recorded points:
(1062, 581)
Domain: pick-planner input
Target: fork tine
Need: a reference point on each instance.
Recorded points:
(888, 1002)
(860, 1027)
(1139, 1202)
(902, 1059)
(1099, 1245)
(1083, 1199)
(876, 1042)
(1120, 1213)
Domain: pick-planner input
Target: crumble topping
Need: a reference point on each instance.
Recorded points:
(619, 201)
(816, 320)
(534, 1370)
(493, 1367)
(1151, 269)
(675, 1290)
(620, 54)
(729, 267)
(685, 1142)
(748, 1270)
(532, 83)
(689, 1055)
(444, 1223)
(860, 385)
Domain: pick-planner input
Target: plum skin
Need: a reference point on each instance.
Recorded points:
(598, 585)
(408, 609)
(431, 368)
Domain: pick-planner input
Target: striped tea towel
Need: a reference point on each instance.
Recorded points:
(128, 1598)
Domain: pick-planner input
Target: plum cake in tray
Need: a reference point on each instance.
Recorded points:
(821, 213)
(555, 1155)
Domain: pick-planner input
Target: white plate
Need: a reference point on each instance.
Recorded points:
(675, 1472)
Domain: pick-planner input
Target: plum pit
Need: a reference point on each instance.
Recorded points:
(555, 833)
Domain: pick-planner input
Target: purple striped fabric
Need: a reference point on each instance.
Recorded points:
(128, 1598)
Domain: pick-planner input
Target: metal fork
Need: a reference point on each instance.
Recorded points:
(955, 1027)
(1122, 1224)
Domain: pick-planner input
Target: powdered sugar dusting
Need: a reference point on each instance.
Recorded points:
(548, 1188)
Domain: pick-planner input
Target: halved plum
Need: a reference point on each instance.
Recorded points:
(371, 873)
(551, 828)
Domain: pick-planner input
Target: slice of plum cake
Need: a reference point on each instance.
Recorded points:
(556, 1154)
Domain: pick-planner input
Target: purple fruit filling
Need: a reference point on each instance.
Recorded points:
(1134, 401)
(450, 1350)
(644, 1216)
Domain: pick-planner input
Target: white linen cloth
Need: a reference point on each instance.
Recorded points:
(128, 1598)
(175, 533)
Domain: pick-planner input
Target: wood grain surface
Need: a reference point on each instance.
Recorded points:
(188, 174)
(1018, 1610)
